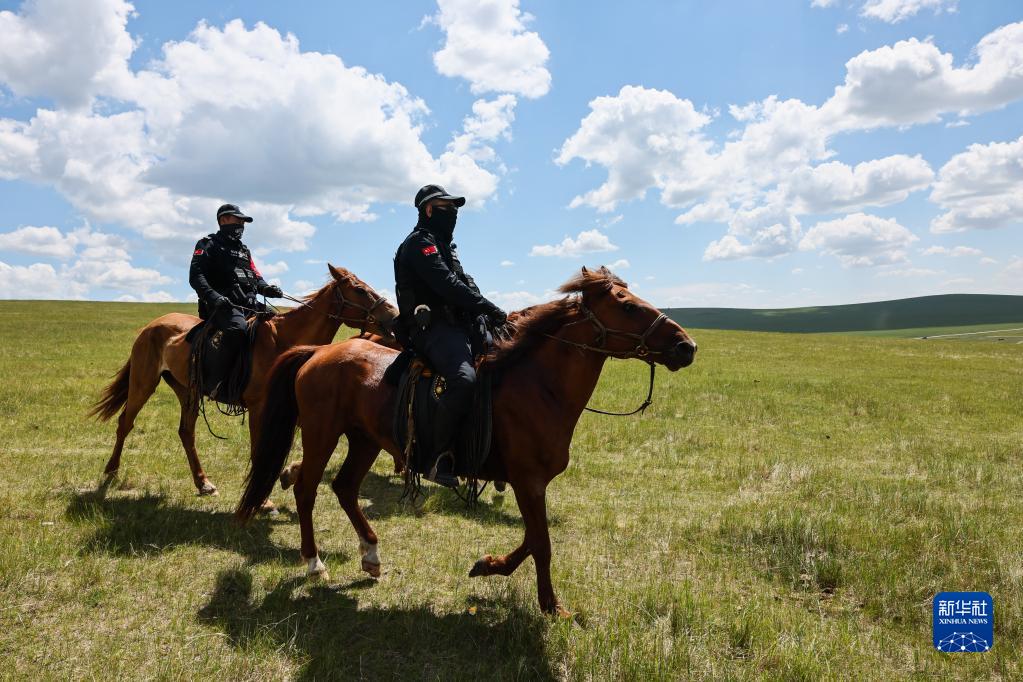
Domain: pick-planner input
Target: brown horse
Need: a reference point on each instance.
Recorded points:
(543, 377)
(160, 350)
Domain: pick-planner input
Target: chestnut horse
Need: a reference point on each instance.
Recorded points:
(160, 350)
(543, 377)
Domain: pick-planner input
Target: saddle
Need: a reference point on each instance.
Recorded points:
(419, 390)
(205, 363)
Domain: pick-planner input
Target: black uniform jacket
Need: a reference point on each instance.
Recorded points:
(427, 271)
(224, 267)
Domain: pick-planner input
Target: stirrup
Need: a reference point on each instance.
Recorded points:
(446, 479)
(215, 390)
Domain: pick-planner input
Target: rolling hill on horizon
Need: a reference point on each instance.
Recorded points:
(945, 310)
(915, 316)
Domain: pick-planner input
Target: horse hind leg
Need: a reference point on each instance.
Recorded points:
(186, 432)
(362, 452)
(317, 446)
(142, 382)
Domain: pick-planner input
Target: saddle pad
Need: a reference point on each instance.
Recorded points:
(421, 389)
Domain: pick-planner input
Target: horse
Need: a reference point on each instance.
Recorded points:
(161, 351)
(543, 376)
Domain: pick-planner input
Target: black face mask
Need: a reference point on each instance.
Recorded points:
(233, 231)
(442, 222)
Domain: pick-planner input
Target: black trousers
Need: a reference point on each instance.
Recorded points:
(447, 348)
(230, 321)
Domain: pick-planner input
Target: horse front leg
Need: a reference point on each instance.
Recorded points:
(532, 500)
(317, 444)
(503, 565)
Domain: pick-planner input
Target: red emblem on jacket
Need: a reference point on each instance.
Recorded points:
(429, 250)
(198, 252)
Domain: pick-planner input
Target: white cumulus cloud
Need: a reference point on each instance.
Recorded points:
(332, 138)
(981, 188)
(955, 251)
(588, 241)
(486, 43)
(93, 262)
(860, 240)
(913, 81)
(834, 186)
(777, 163)
(894, 11)
(67, 51)
(39, 241)
(641, 136)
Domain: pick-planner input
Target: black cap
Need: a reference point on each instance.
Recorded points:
(231, 209)
(436, 192)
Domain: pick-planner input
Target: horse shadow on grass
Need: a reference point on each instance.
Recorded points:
(325, 627)
(150, 523)
(385, 496)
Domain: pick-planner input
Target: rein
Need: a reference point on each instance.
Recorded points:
(647, 402)
(641, 351)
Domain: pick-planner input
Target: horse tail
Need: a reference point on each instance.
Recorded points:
(278, 422)
(114, 396)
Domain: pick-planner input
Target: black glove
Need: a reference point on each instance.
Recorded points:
(497, 317)
(504, 332)
(273, 291)
(221, 302)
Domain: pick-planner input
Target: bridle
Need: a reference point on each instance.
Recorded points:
(367, 319)
(641, 351)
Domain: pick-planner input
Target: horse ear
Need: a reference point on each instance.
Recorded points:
(604, 270)
(585, 271)
(335, 273)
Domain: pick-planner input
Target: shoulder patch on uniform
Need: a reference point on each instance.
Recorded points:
(429, 250)
(197, 252)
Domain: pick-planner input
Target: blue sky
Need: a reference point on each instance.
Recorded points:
(738, 154)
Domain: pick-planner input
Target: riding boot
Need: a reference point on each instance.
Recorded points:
(219, 365)
(445, 430)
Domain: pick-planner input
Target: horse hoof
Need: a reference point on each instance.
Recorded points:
(480, 568)
(269, 508)
(208, 488)
(287, 477)
(317, 570)
(500, 486)
(558, 611)
(370, 558)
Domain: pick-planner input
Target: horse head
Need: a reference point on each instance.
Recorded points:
(625, 325)
(358, 305)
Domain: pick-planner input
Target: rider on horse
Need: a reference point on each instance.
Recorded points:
(427, 273)
(227, 282)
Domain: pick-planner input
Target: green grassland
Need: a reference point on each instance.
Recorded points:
(946, 310)
(1003, 332)
(787, 509)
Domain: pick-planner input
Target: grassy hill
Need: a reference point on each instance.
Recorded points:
(950, 310)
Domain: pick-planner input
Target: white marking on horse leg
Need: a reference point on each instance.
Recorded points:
(370, 558)
(317, 569)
